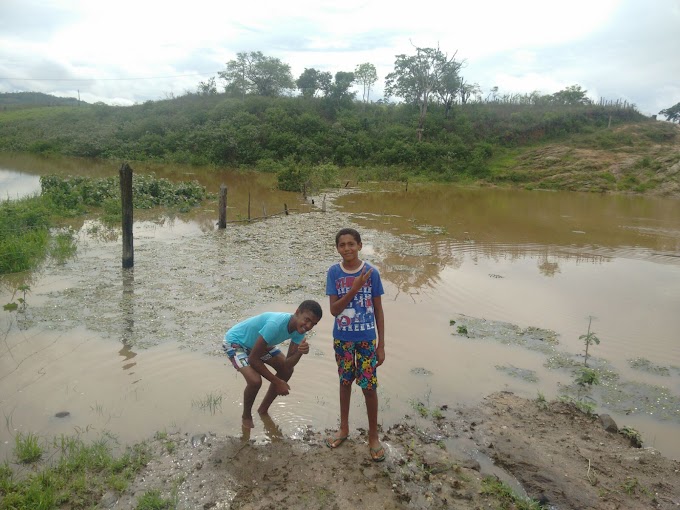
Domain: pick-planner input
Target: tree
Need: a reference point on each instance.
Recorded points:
(326, 83)
(255, 73)
(573, 95)
(449, 87)
(340, 88)
(308, 83)
(207, 88)
(366, 75)
(468, 91)
(672, 114)
(416, 77)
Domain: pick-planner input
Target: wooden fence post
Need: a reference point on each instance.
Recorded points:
(249, 206)
(126, 203)
(285, 208)
(223, 206)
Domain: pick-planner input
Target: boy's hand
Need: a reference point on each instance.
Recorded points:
(360, 280)
(380, 352)
(303, 347)
(281, 387)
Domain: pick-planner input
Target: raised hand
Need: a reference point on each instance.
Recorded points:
(360, 280)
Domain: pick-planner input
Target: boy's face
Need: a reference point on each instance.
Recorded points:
(348, 248)
(305, 321)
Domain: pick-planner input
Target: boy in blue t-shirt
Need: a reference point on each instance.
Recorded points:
(252, 344)
(355, 289)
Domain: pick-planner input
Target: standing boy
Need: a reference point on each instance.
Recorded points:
(355, 289)
(252, 344)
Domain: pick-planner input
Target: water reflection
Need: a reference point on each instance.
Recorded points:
(127, 306)
(499, 219)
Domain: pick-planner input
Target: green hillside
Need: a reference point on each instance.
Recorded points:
(592, 147)
(14, 100)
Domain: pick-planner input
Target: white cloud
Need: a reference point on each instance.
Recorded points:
(622, 48)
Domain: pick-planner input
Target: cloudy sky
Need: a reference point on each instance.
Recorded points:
(130, 51)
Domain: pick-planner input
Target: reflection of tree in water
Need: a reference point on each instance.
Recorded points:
(548, 268)
(415, 264)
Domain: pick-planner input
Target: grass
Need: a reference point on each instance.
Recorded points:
(152, 500)
(211, 403)
(27, 448)
(71, 474)
(505, 496)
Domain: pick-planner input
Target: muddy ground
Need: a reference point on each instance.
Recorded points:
(551, 452)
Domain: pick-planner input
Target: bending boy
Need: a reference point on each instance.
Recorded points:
(252, 344)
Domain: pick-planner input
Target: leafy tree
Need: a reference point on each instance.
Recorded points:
(416, 77)
(573, 95)
(326, 82)
(672, 114)
(255, 73)
(206, 88)
(449, 87)
(366, 75)
(308, 83)
(341, 85)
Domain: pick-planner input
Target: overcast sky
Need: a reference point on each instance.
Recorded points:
(129, 51)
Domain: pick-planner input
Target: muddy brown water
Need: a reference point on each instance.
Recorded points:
(131, 353)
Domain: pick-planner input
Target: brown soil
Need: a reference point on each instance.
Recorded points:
(558, 455)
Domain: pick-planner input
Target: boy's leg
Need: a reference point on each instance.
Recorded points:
(371, 397)
(253, 384)
(284, 372)
(344, 357)
(239, 360)
(368, 381)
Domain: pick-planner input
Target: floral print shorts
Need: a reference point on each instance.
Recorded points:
(356, 362)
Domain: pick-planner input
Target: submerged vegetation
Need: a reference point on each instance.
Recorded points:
(29, 227)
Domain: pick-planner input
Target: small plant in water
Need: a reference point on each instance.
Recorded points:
(586, 377)
(588, 339)
(462, 330)
(212, 403)
(420, 408)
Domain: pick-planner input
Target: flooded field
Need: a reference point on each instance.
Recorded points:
(485, 290)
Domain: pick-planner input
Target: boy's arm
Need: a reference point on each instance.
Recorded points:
(295, 352)
(338, 304)
(380, 324)
(255, 359)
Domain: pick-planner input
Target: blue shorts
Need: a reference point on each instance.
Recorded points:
(238, 355)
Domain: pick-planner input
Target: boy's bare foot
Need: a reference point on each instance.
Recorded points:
(248, 422)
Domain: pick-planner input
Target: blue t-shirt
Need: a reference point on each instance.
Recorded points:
(356, 323)
(272, 326)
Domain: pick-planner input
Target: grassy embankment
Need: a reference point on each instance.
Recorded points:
(318, 142)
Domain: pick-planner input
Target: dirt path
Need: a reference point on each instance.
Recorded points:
(558, 455)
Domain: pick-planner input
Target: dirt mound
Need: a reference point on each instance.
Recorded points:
(550, 452)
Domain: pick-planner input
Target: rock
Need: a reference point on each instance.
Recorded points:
(608, 423)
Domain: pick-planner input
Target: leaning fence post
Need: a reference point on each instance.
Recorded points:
(223, 207)
(126, 203)
(285, 208)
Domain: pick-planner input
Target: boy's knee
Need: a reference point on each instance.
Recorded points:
(254, 384)
(369, 392)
